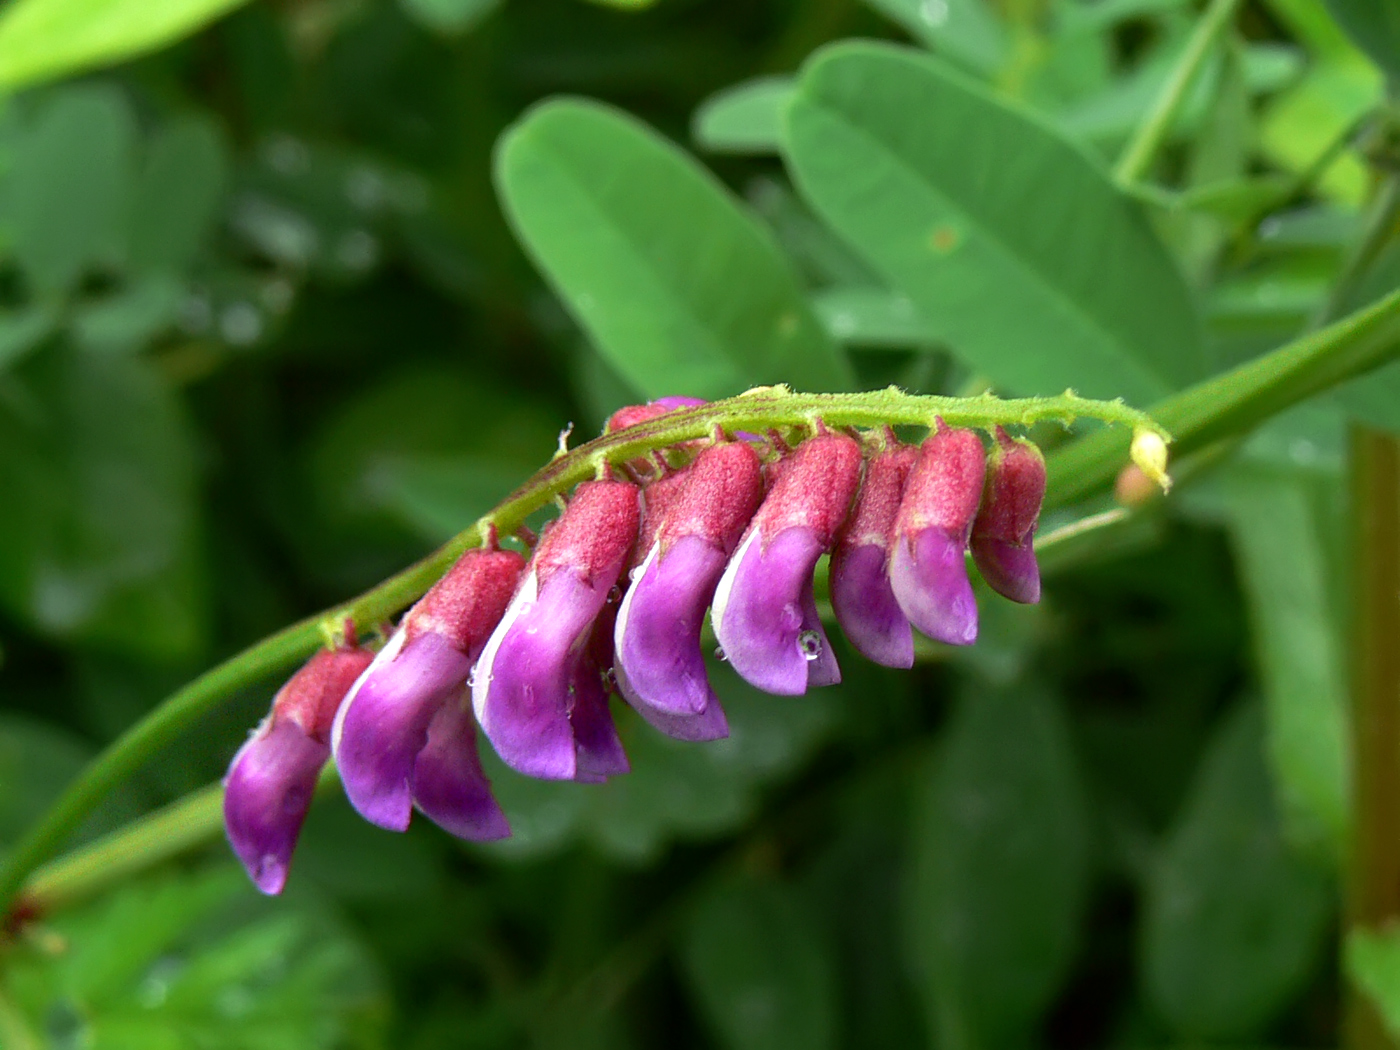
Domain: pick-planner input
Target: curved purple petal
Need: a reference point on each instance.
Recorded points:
(658, 626)
(865, 606)
(707, 724)
(521, 689)
(597, 747)
(1010, 569)
(383, 724)
(930, 583)
(449, 786)
(765, 617)
(266, 796)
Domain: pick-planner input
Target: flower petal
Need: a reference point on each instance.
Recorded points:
(521, 687)
(707, 724)
(764, 613)
(449, 786)
(1010, 569)
(266, 796)
(383, 724)
(597, 747)
(865, 606)
(658, 626)
(928, 574)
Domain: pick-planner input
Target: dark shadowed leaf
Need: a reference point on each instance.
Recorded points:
(1279, 544)
(1040, 273)
(1232, 922)
(67, 194)
(760, 968)
(177, 194)
(679, 287)
(97, 531)
(999, 869)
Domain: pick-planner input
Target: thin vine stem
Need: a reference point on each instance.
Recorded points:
(760, 410)
(1137, 156)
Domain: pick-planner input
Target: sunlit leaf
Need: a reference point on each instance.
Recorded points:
(46, 39)
(678, 286)
(993, 225)
(743, 118)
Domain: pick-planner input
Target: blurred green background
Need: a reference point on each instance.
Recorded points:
(267, 335)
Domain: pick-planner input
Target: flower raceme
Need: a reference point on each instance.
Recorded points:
(612, 599)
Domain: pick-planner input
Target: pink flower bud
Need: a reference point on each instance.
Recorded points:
(1004, 530)
(526, 684)
(631, 415)
(271, 780)
(765, 615)
(382, 730)
(861, 595)
(928, 571)
(661, 670)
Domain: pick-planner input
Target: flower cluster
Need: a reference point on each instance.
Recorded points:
(612, 599)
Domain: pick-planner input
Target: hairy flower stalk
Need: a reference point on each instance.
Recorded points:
(530, 651)
(272, 778)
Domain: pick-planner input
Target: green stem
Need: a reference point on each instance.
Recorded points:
(1156, 126)
(1235, 402)
(758, 410)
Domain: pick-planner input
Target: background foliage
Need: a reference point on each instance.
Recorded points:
(287, 301)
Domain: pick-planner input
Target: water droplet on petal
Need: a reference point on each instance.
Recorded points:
(810, 642)
(720, 654)
(615, 595)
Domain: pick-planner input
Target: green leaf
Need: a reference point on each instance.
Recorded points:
(125, 321)
(97, 533)
(999, 869)
(1372, 959)
(178, 195)
(1374, 26)
(37, 761)
(743, 118)
(1232, 923)
(967, 31)
(197, 961)
(1278, 541)
(24, 330)
(764, 976)
(48, 39)
(70, 186)
(874, 317)
(678, 286)
(1040, 273)
(449, 16)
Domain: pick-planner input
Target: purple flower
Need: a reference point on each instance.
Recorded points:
(1004, 531)
(861, 595)
(660, 668)
(273, 776)
(764, 614)
(449, 786)
(527, 682)
(390, 721)
(928, 570)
